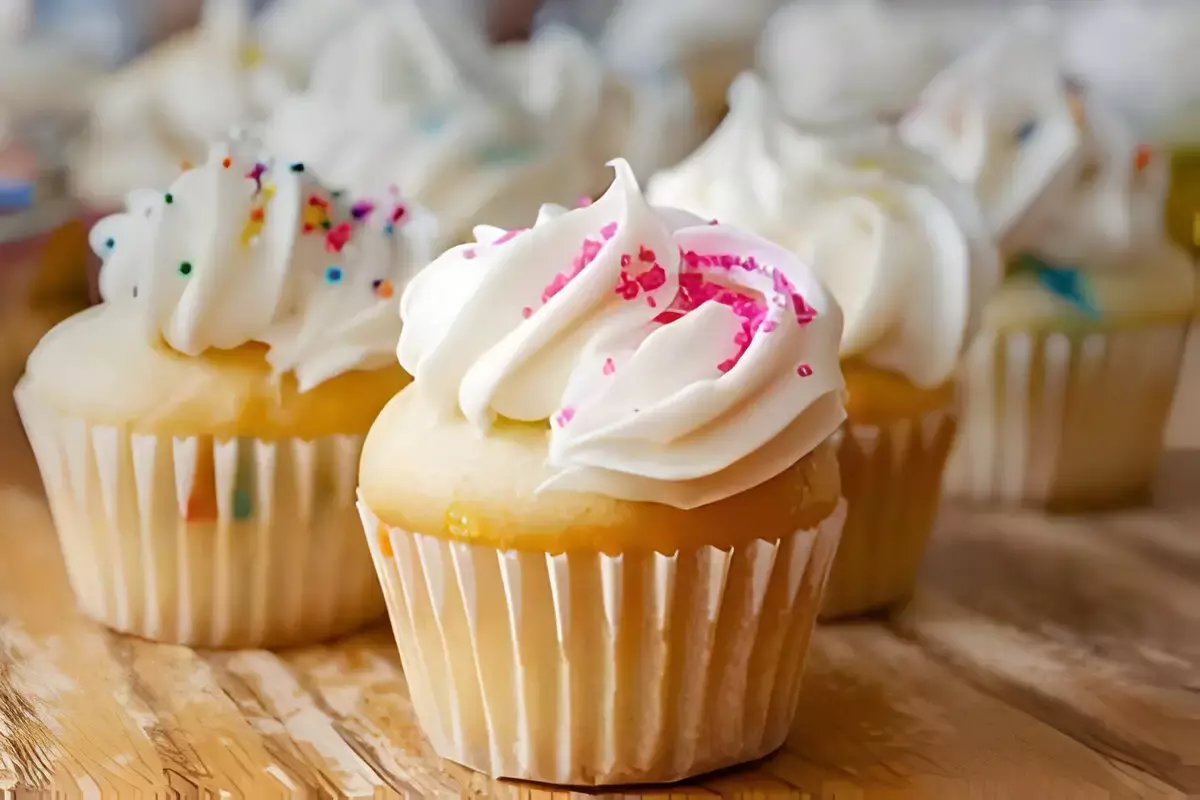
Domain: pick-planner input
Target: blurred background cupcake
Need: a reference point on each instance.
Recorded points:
(1067, 389)
(905, 253)
(198, 432)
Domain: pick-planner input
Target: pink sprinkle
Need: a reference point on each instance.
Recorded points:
(509, 236)
(726, 365)
(565, 415)
(583, 202)
(651, 302)
(646, 255)
(804, 370)
(626, 259)
(713, 222)
(468, 254)
(336, 239)
(652, 278)
(526, 312)
(609, 366)
(627, 287)
(769, 326)
(398, 213)
(609, 230)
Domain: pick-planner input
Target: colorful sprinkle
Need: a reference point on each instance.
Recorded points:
(526, 312)
(1026, 130)
(186, 165)
(337, 238)
(583, 202)
(1141, 157)
(398, 213)
(256, 173)
(609, 366)
(383, 289)
(609, 231)
(227, 162)
(362, 209)
(389, 229)
(565, 415)
(110, 243)
(297, 167)
(804, 370)
(169, 198)
(185, 268)
(646, 255)
(469, 253)
(333, 274)
(243, 507)
(1068, 283)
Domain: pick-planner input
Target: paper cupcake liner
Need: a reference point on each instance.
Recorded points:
(1064, 420)
(891, 479)
(586, 668)
(236, 543)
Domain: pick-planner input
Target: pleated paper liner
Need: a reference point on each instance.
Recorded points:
(1070, 421)
(584, 668)
(891, 479)
(1183, 200)
(236, 543)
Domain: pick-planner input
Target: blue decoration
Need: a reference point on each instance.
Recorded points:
(243, 507)
(1068, 283)
(110, 243)
(333, 274)
(15, 195)
(389, 228)
(1026, 130)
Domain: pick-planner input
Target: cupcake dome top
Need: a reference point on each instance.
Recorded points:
(239, 250)
(676, 361)
(902, 247)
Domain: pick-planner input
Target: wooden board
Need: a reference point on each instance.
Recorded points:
(1043, 658)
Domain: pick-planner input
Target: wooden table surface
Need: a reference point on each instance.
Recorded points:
(1043, 658)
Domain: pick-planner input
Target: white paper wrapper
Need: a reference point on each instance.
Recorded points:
(891, 478)
(271, 554)
(1070, 421)
(588, 669)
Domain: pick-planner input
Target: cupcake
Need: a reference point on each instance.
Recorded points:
(708, 41)
(403, 99)
(849, 63)
(198, 432)
(904, 251)
(1066, 391)
(1142, 59)
(164, 108)
(646, 119)
(604, 511)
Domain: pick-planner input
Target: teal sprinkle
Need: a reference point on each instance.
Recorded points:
(432, 121)
(1068, 283)
(243, 508)
(500, 154)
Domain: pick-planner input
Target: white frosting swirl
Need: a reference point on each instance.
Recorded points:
(678, 362)
(849, 61)
(401, 100)
(903, 248)
(236, 251)
(1003, 120)
(645, 119)
(167, 106)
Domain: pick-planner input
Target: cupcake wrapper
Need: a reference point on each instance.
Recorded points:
(237, 543)
(1072, 421)
(585, 668)
(891, 479)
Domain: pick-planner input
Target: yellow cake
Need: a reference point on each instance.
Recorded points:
(604, 512)
(198, 433)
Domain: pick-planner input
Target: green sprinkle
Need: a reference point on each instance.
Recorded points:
(185, 268)
(170, 198)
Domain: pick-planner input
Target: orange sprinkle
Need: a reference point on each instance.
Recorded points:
(185, 165)
(1141, 157)
(384, 289)
(227, 163)
(385, 542)
(256, 214)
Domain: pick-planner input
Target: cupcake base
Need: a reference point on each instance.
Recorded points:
(891, 479)
(1069, 421)
(206, 542)
(585, 668)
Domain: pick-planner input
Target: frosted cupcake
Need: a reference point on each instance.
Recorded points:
(708, 41)
(904, 251)
(163, 109)
(1143, 60)
(198, 432)
(401, 99)
(647, 120)
(849, 63)
(1067, 389)
(612, 483)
